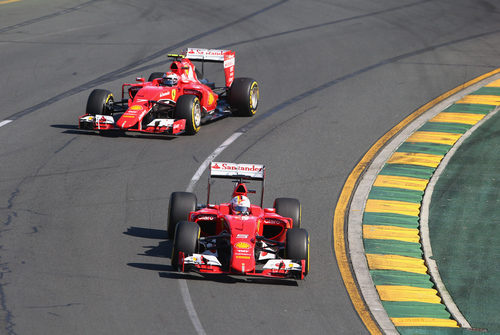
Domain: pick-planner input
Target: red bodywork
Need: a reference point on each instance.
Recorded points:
(139, 98)
(242, 232)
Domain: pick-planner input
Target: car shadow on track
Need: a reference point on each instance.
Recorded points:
(164, 250)
(73, 129)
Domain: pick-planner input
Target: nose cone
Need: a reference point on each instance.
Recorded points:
(131, 117)
(243, 257)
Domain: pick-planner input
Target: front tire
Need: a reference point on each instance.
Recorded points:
(100, 102)
(297, 246)
(244, 97)
(186, 239)
(289, 208)
(189, 107)
(181, 203)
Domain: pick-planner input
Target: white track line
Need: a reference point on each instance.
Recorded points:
(186, 296)
(5, 122)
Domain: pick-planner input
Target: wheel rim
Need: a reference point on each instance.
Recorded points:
(108, 104)
(254, 96)
(197, 114)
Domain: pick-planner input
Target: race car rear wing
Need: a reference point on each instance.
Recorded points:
(214, 55)
(237, 171)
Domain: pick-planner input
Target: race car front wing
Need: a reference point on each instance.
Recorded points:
(275, 268)
(156, 126)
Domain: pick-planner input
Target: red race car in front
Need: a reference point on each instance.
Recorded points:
(174, 102)
(237, 237)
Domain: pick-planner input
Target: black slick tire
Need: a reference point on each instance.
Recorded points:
(181, 203)
(289, 208)
(189, 107)
(297, 246)
(186, 239)
(100, 102)
(244, 97)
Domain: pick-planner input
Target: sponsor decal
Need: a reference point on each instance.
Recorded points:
(243, 257)
(242, 245)
(132, 116)
(210, 98)
(173, 94)
(237, 167)
(164, 94)
(205, 217)
(135, 107)
(242, 251)
(229, 62)
(242, 236)
(273, 221)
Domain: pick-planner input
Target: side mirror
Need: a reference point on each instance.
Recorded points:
(140, 79)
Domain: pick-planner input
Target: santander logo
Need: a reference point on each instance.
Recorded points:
(236, 167)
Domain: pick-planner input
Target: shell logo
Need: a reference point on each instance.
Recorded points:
(242, 245)
(210, 98)
(136, 107)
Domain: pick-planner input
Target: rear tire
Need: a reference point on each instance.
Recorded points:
(289, 208)
(181, 203)
(189, 107)
(155, 75)
(297, 246)
(100, 102)
(186, 239)
(244, 97)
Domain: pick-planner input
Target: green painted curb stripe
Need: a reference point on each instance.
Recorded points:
(396, 194)
(390, 219)
(414, 309)
(469, 108)
(434, 331)
(392, 277)
(424, 148)
(374, 246)
(487, 91)
(403, 170)
(456, 128)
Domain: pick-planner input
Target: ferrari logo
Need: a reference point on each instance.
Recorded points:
(173, 94)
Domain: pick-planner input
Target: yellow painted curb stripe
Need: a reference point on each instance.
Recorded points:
(342, 207)
(465, 118)
(433, 137)
(495, 83)
(413, 158)
(407, 183)
(408, 293)
(396, 262)
(480, 100)
(8, 1)
(392, 206)
(391, 233)
(424, 322)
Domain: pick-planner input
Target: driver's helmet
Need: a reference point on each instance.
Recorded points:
(240, 204)
(170, 79)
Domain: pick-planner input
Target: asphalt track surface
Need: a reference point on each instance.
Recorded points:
(83, 217)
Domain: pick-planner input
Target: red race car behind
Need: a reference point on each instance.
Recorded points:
(238, 238)
(174, 102)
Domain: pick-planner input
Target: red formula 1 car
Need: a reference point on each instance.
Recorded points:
(238, 238)
(174, 102)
